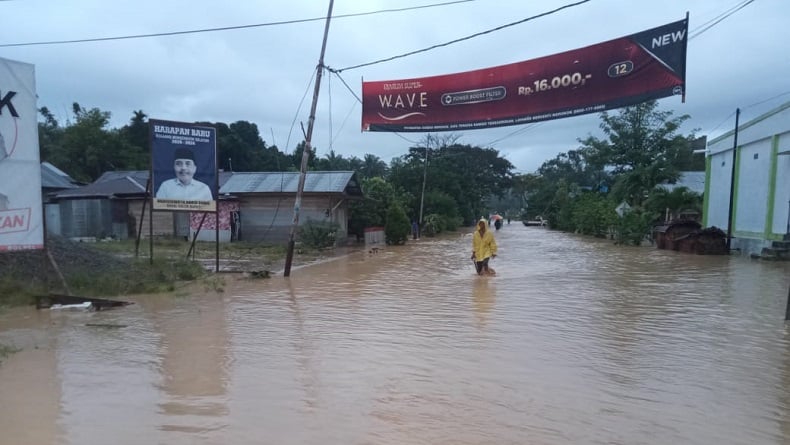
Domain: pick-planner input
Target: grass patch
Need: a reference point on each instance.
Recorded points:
(89, 272)
(112, 268)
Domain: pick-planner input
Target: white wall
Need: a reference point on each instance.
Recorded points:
(753, 177)
(719, 189)
(758, 128)
(782, 197)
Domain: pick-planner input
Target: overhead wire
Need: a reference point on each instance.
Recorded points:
(231, 28)
(693, 34)
(718, 19)
(478, 34)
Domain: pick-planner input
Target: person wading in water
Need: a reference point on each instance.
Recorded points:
(483, 248)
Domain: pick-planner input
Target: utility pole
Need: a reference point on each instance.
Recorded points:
(424, 175)
(730, 221)
(307, 148)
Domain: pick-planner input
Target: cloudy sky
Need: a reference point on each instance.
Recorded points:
(264, 74)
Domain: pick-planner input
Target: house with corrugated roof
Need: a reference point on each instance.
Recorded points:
(266, 201)
(252, 206)
(112, 207)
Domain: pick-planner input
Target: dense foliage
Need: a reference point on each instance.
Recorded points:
(439, 182)
(579, 190)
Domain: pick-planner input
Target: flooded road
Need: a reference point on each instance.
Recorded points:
(575, 341)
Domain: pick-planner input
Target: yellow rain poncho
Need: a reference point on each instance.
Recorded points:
(483, 243)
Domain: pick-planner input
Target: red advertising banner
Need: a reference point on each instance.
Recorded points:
(625, 71)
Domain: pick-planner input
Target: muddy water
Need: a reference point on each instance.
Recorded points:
(575, 341)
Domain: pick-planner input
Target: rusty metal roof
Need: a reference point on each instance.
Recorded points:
(342, 182)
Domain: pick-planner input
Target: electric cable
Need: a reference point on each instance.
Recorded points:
(478, 34)
(719, 19)
(230, 28)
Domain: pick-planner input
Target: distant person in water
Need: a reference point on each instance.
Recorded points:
(184, 186)
(483, 248)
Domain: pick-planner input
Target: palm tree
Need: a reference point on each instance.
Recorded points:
(675, 201)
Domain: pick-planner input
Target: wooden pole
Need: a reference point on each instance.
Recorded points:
(306, 153)
(142, 217)
(424, 177)
(57, 271)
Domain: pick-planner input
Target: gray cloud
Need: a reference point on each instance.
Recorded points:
(261, 74)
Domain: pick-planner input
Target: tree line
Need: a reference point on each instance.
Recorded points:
(439, 181)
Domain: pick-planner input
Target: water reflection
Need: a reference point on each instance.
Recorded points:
(574, 341)
(193, 360)
(483, 296)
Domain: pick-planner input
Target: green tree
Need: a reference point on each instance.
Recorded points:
(676, 201)
(397, 229)
(467, 174)
(296, 157)
(372, 166)
(135, 136)
(333, 162)
(593, 214)
(640, 148)
(372, 211)
(50, 139)
(90, 148)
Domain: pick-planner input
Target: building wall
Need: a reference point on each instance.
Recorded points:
(269, 218)
(717, 195)
(164, 222)
(83, 218)
(781, 202)
(762, 181)
(752, 180)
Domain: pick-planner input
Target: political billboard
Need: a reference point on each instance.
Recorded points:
(21, 211)
(183, 166)
(613, 74)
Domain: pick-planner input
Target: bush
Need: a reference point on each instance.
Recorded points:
(593, 214)
(318, 234)
(398, 227)
(433, 225)
(633, 227)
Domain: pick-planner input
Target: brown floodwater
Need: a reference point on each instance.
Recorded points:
(575, 341)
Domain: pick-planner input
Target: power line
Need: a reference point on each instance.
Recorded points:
(711, 23)
(767, 100)
(498, 28)
(231, 28)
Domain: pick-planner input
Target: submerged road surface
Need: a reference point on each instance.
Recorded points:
(575, 341)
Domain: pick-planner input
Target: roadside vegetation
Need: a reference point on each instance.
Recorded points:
(580, 190)
(439, 182)
(87, 271)
(107, 269)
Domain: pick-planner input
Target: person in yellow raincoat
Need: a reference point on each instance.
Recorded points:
(483, 248)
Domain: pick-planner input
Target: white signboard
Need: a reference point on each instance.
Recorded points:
(21, 212)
